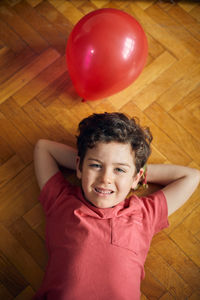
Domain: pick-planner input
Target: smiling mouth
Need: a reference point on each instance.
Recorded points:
(103, 191)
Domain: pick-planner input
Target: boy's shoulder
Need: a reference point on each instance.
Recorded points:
(153, 208)
(55, 190)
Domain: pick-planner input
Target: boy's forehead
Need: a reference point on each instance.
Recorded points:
(121, 152)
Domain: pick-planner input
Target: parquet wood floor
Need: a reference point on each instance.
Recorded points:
(37, 100)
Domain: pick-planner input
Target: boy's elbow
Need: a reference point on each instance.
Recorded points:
(40, 144)
(39, 147)
(197, 176)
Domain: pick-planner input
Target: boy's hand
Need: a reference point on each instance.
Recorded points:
(180, 182)
(48, 155)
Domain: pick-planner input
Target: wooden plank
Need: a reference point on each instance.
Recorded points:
(14, 63)
(161, 34)
(27, 293)
(30, 241)
(156, 157)
(20, 258)
(10, 38)
(177, 259)
(100, 4)
(175, 131)
(10, 169)
(185, 19)
(162, 83)
(143, 297)
(192, 222)
(195, 296)
(41, 231)
(12, 2)
(55, 90)
(34, 3)
(191, 102)
(16, 186)
(177, 217)
(187, 6)
(189, 99)
(23, 123)
(167, 276)
(64, 117)
(5, 54)
(15, 140)
(148, 75)
(80, 111)
(187, 120)
(5, 151)
(187, 242)
(69, 96)
(85, 6)
(26, 74)
(46, 121)
(195, 12)
(181, 88)
(37, 84)
(45, 29)
(26, 32)
(35, 216)
(13, 190)
(13, 208)
(151, 286)
(167, 296)
(58, 21)
(155, 49)
(10, 277)
(160, 140)
(4, 293)
(70, 12)
(172, 26)
(57, 3)
(144, 4)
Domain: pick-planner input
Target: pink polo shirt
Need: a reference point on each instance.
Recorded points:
(95, 253)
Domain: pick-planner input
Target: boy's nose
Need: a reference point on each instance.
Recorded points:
(106, 177)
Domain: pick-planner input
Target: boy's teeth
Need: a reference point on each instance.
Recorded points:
(103, 191)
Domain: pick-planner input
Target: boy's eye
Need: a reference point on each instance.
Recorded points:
(120, 170)
(95, 166)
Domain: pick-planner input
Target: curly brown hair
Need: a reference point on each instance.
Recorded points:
(114, 127)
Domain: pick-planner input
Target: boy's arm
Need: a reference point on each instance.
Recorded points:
(179, 181)
(48, 155)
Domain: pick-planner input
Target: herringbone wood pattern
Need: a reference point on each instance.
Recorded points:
(37, 100)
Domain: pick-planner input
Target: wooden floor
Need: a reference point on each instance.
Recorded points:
(37, 100)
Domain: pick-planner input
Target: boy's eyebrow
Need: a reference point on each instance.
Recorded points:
(117, 163)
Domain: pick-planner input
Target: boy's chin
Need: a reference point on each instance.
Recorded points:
(99, 205)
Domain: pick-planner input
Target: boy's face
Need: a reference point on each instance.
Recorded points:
(108, 173)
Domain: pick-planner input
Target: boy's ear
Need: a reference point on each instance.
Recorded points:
(78, 171)
(136, 178)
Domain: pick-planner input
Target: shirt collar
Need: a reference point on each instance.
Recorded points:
(127, 207)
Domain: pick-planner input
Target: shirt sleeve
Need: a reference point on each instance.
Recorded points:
(53, 191)
(157, 211)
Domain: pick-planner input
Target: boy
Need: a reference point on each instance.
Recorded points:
(98, 239)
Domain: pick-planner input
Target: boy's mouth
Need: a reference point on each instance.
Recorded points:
(101, 191)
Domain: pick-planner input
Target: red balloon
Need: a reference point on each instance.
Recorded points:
(106, 51)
